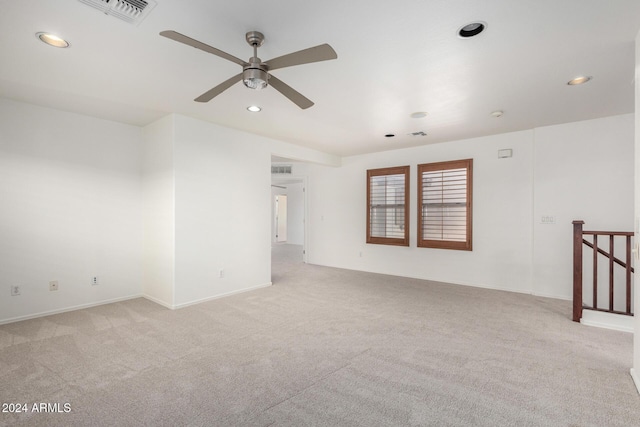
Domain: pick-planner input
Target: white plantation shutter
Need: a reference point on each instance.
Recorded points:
(444, 196)
(444, 204)
(387, 206)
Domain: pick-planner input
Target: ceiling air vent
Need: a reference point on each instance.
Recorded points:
(282, 169)
(131, 11)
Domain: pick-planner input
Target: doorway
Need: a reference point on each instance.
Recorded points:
(288, 230)
(288, 223)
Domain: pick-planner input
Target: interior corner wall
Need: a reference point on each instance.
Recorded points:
(159, 211)
(70, 191)
(580, 170)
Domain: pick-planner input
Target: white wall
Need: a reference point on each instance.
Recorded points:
(338, 216)
(70, 187)
(159, 212)
(222, 211)
(583, 171)
(635, 371)
(295, 214)
(511, 250)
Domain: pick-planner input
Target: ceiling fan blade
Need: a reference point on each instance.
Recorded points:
(173, 35)
(212, 93)
(319, 53)
(293, 95)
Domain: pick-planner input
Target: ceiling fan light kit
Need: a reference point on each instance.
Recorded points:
(255, 78)
(255, 73)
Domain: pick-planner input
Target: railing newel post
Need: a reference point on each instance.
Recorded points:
(577, 270)
(628, 276)
(595, 271)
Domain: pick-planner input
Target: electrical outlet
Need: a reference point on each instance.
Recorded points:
(53, 285)
(94, 280)
(15, 291)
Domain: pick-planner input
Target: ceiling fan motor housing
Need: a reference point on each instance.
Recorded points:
(255, 75)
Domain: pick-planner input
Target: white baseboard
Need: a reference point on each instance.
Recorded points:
(66, 309)
(227, 294)
(158, 301)
(113, 300)
(604, 320)
(450, 282)
(554, 296)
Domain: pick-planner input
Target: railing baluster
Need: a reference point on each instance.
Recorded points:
(611, 272)
(595, 271)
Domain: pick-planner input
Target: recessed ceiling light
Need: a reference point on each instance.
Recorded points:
(390, 135)
(418, 115)
(497, 113)
(254, 108)
(52, 40)
(472, 29)
(579, 80)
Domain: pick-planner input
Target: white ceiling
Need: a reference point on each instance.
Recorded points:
(394, 58)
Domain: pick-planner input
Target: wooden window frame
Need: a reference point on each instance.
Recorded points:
(447, 244)
(404, 170)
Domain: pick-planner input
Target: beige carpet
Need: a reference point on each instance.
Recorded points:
(322, 347)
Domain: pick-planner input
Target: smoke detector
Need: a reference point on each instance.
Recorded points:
(131, 11)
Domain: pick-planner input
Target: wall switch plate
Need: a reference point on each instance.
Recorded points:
(94, 280)
(53, 285)
(15, 291)
(221, 273)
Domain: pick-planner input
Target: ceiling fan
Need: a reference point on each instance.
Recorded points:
(255, 73)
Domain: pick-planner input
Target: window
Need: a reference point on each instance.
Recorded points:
(388, 206)
(444, 200)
